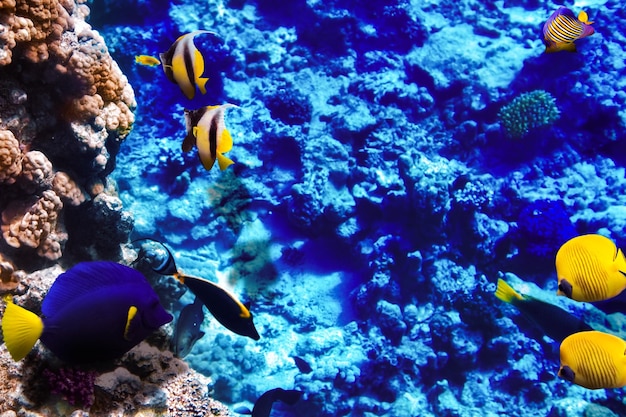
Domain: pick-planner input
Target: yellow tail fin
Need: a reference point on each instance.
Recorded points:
(223, 161)
(21, 329)
(506, 293)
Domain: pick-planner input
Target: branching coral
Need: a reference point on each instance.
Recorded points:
(527, 112)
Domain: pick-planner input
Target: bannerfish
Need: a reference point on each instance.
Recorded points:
(303, 366)
(563, 28)
(593, 360)
(263, 405)
(183, 64)
(223, 305)
(147, 60)
(187, 331)
(553, 321)
(206, 130)
(590, 268)
(95, 311)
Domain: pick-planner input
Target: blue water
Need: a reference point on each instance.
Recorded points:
(377, 196)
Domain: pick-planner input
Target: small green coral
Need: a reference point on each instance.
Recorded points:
(527, 112)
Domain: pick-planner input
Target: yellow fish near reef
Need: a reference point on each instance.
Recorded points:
(593, 360)
(590, 268)
(147, 60)
(207, 131)
(184, 65)
(563, 28)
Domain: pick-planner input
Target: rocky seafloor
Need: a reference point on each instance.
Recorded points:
(384, 179)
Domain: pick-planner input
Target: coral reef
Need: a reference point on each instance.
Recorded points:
(65, 106)
(528, 112)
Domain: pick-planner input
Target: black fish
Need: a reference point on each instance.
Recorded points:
(224, 306)
(188, 325)
(263, 405)
(302, 365)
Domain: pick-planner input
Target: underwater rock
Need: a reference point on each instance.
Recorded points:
(64, 108)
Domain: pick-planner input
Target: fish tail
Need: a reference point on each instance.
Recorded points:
(506, 293)
(223, 161)
(202, 84)
(21, 329)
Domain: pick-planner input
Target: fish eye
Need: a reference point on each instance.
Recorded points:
(567, 373)
(566, 288)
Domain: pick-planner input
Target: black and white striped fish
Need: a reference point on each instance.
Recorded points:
(184, 65)
(206, 130)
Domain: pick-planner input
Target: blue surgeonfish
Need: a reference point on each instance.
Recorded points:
(187, 331)
(184, 64)
(223, 305)
(555, 322)
(263, 405)
(206, 130)
(95, 311)
(563, 28)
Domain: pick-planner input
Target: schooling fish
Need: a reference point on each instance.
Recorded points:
(263, 405)
(184, 64)
(206, 130)
(555, 322)
(147, 60)
(224, 305)
(563, 28)
(594, 360)
(590, 268)
(94, 311)
(187, 331)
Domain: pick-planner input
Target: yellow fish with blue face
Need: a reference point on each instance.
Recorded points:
(184, 64)
(593, 360)
(590, 268)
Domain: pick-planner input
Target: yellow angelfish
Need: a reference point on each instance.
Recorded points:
(594, 360)
(590, 268)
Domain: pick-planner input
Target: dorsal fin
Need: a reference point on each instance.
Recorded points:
(83, 279)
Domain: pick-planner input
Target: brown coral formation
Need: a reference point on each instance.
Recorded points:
(64, 107)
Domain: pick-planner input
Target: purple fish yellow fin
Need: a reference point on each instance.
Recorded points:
(21, 329)
(130, 319)
(223, 161)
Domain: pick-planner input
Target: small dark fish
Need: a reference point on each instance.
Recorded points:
(95, 311)
(263, 405)
(224, 306)
(188, 325)
(555, 322)
(302, 365)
